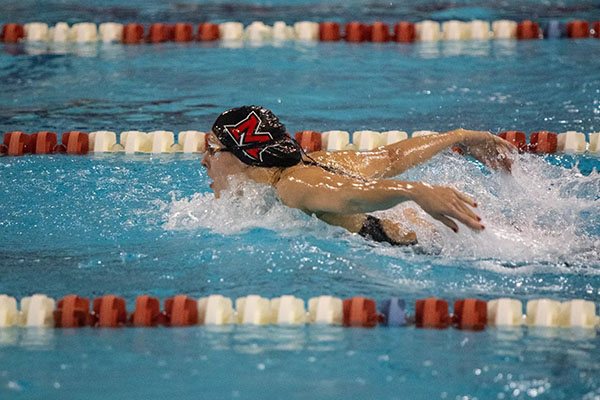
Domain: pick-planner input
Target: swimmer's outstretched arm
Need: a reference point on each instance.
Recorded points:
(316, 191)
(392, 160)
(484, 146)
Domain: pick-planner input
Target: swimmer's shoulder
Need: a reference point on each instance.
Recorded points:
(350, 162)
(320, 156)
(294, 184)
(300, 171)
(331, 156)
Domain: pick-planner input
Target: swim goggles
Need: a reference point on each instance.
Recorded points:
(213, 148)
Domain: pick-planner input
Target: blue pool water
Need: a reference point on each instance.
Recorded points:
(105, 224)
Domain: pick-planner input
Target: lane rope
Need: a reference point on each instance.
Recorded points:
(74, 311)
(18, 143)
(257, 31)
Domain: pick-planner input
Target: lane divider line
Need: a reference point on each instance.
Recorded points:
(257, 31)
(18, 143)
(110, 311)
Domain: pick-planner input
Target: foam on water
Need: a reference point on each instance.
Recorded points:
(246, 205)
(541, 213)
(541, 217)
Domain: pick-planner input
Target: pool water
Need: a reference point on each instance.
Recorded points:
(132, 225)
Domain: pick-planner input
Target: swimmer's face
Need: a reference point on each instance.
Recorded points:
(220, 164)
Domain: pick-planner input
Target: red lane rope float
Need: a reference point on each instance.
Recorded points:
(329, 32)
(405, 32)
(147, 312)
(470, 314)
(597, 29)
(12, 33)
(528, 30)
(43, 142)
(458, 150)
(133, 33)
(357, 32)
(160, 32)
(578, 29)
(110, 311)
(309, 140)
(208, 32)
(519, 139)
(432, 313)
(75, 142)
(183, 32)
(543, 142)
(360, 312)
(181, 310)
(380, 32)
(17, 143)
(73, 312)
(180, 32)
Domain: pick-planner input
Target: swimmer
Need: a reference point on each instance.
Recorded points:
(342, 188)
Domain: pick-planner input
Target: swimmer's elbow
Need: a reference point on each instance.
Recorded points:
(289, 199)
(321, 204)
(359, 206)
(344, 202)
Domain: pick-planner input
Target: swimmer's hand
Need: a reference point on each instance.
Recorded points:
(446, 205)
(489, 149)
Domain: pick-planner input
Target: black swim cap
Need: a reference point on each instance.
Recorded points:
(255, 136)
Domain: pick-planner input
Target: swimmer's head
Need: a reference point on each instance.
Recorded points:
(256, 137)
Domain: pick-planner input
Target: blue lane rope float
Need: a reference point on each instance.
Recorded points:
(394, 312)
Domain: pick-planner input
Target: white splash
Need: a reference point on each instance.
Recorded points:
(244, 206)
(536, 214)
(540, 215)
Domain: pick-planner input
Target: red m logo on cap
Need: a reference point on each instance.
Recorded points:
(245, 131)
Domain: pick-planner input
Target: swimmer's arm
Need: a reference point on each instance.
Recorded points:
(352, 222)
(411, 152)
(316, 191)
(483, 146)
(391, 160)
